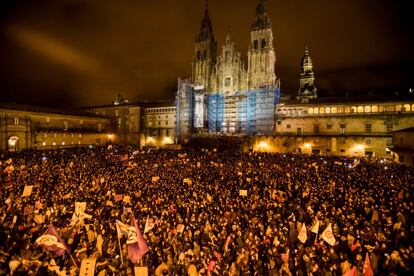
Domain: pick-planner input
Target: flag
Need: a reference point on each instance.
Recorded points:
(367, 270)
(140, 270)
(302, 236)
(328, 236)
(211, 266)
(352, 272)
(180, 228)
(136, 244)
(118, 197)
(8, 169)
(121, 229)
(149, 224)
(79, 215)
(127, 199)
(27, 210)
(51, 241)
(27, 190)
(315, 227)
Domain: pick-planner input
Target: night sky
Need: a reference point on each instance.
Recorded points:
(72, 53)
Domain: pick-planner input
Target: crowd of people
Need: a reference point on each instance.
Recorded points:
(368, 202)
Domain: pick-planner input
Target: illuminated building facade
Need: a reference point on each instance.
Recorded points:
(222, 96)
(353, 126)
(141, 123)
(23, 127)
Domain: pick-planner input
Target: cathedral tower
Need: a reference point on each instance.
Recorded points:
(205, 52)
(229, 75)
(307, 89)
(261, 55)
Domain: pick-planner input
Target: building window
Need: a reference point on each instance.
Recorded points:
(316, 128)
(368, 127)
(255, 44)
(47, 119)
(168, 132)
(65, 125)
(342, 128)
(54, 135)
(99, 127)
(287, 126)
(159, 123)
(329, 126)
(341, 150)
(166, 122)
(389, 127)
(116, 112)
(227, 82)
(16, 121)
(81, 122)
(263, 43)
(279, 122)
(299, 131)
(389, 141)
(367, 141)
(166, 116)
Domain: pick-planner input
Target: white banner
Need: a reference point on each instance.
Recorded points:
(88, 267)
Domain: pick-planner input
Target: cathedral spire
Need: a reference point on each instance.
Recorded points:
(206, 30)
(307, 89)
(261, 21)
(306, 64)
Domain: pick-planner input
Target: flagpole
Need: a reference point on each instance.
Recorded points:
(120, 251)
(73, 260)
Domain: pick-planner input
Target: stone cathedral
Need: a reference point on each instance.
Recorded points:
(222, 95)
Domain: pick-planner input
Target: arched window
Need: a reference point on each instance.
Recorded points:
(227, 82)
(310, 111)
(263, 43)
(398, 108)
(367, 109)
(360, 109)
(407, 108)
(334, 110)
(374, 109)
(327, 110)
(316, 110)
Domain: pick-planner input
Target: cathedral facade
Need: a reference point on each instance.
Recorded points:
(222, 95)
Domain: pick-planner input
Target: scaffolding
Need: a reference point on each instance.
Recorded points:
(215, 112)
(249, 112)
(184, 109)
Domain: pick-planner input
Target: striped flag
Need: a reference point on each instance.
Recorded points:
(367, 270)
(149, 224)
(121, 229)
(328, 236)
(303, 236)
(136, 244)
(51, 241)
